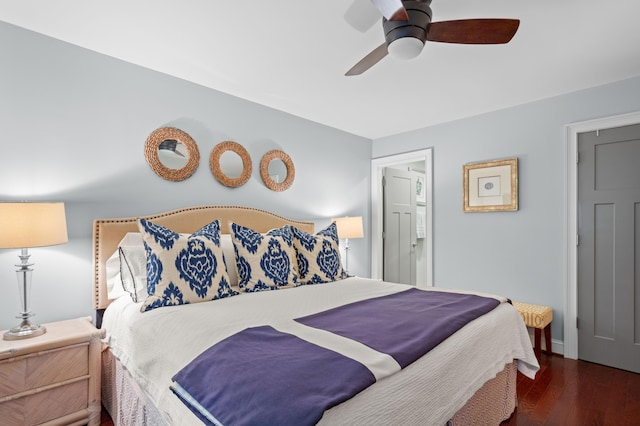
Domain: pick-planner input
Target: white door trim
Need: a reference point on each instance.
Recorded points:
(571, 220)
(377, 166)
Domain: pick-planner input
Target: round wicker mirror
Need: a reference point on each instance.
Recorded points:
(273, 182)
(171, 153)
(219, 172)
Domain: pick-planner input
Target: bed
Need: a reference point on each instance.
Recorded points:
(467, 379)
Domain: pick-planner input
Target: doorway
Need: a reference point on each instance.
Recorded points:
(418, 161)
(608, 252)
(570, 344)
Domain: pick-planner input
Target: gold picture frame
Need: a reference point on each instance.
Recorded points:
(491, 186)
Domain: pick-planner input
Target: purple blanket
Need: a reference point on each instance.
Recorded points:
(405, 325)
(261, 376)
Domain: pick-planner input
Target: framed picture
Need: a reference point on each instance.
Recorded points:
(491, 186)
(420, 190)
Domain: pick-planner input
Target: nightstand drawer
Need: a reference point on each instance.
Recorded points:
(43, 369)
(47, 405)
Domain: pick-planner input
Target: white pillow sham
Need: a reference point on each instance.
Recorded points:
(132, 241)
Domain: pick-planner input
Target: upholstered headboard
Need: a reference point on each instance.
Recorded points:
(107, 233)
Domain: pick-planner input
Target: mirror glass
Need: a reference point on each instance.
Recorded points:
(231, 164)
(173, 154)
(277, 170)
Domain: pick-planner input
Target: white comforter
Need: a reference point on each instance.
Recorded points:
(154, 345)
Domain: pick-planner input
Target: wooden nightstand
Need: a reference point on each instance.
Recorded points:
(53, 379)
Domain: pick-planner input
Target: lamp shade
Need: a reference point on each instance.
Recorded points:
(25, 225)
(349, 227)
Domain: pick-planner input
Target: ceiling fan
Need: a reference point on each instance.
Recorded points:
(407, 26)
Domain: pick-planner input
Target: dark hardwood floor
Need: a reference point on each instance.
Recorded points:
(570, 392)
(105, 420)
(567, 393)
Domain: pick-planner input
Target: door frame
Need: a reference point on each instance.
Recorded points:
(377, 166)
(571, 219)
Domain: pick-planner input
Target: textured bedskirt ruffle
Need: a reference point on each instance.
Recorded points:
(493, 403)
(126, 403)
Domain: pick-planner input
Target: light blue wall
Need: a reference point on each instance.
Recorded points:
(74, 124)
(519, 254)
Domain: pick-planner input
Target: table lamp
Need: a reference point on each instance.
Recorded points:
(348, 227)
(25, 225)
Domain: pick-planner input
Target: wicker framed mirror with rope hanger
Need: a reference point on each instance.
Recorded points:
(171, 153)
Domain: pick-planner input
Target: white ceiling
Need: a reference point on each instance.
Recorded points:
(291, 55)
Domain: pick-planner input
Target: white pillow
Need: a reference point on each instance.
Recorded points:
(133, 271)
(115, 287)
(230, 259)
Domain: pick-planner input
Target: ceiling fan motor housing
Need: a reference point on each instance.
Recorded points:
(419, 19)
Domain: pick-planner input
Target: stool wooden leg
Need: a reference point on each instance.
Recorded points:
(547, 339)
(538, 345)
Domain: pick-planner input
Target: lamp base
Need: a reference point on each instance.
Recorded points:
(24, 331)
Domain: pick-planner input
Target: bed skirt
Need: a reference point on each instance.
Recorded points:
(493, 403)
(127, 404)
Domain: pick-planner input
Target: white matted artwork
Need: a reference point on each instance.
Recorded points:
(491, 186)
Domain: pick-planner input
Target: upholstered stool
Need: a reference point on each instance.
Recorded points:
(539, 317)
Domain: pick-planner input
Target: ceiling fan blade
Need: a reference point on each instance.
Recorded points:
(473, 31)
(393, 10)
(362, 15)
(368, 61)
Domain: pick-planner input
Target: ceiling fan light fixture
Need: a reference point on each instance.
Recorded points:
(405, 39)
(405, 47)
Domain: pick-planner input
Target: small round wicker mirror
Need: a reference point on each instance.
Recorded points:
(171, 153)
(276, 181)
(219, 171)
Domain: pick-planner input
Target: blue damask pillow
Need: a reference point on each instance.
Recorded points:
(264, 261)
(318, 255)
(183, 269)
